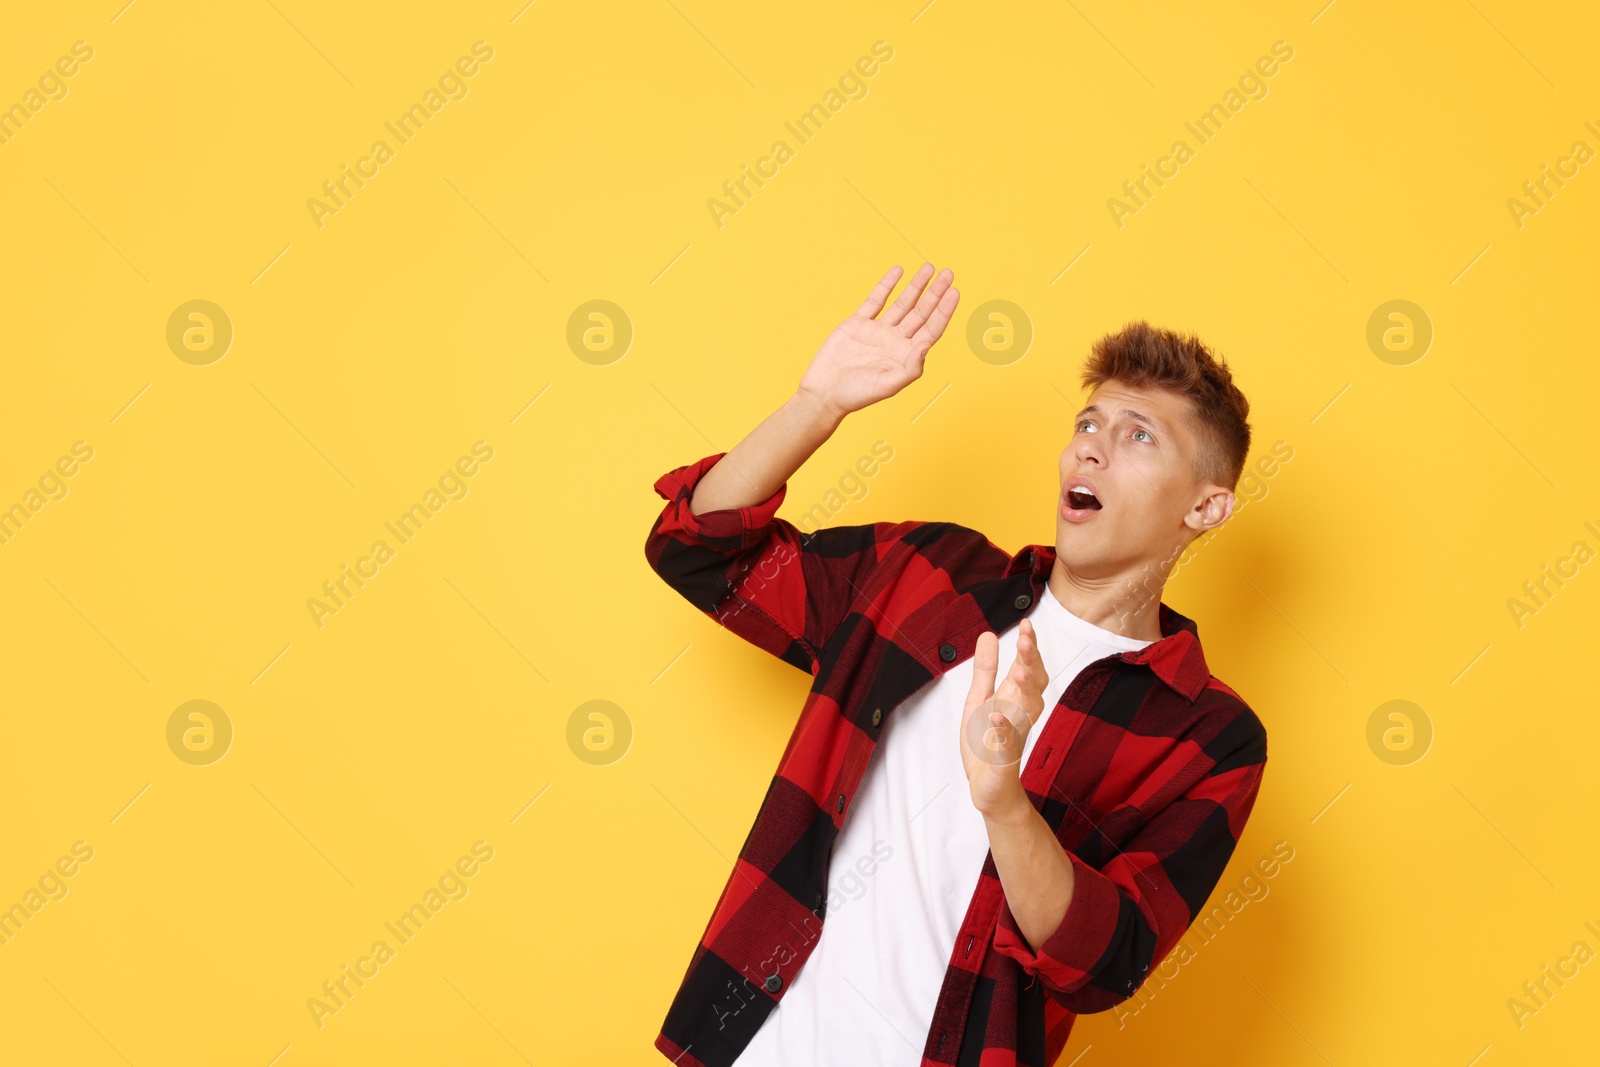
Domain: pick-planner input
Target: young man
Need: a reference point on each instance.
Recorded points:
(1013, 857)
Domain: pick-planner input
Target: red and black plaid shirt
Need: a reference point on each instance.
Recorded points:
(1146, 770)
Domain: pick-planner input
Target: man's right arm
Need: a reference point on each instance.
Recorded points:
(768, 457)
(718, 541)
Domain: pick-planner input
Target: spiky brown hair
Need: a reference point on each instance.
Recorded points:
(1145, 356)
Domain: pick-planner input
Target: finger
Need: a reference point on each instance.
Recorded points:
(1013, 685)
(908, 296)
(1028, 653)
(1025, 682)
(985, 661)
(874, 302)
(928, 302)
(933, 329)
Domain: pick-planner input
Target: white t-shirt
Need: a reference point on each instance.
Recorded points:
(904, 868)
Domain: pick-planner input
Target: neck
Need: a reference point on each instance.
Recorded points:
(1128, 604)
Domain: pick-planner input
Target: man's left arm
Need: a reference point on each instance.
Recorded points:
(1092, 935)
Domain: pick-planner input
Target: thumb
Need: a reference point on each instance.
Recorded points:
(918, 354)
(985, 662)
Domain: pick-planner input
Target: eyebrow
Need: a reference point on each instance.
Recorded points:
(1094, 409)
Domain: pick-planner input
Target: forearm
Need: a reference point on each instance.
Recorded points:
(1034, 869)
(768, 456)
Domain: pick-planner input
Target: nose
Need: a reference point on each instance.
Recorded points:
(1087, 449)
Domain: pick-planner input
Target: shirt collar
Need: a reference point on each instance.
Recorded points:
(1176, 658)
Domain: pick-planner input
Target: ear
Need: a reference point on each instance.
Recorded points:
(1212, 510)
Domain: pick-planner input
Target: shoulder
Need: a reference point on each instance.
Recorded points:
(1234, 734)
(960, 551)
(966, 554)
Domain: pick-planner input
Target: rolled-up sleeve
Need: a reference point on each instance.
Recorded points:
(727, 531)
(1127, 915)
(758, 575)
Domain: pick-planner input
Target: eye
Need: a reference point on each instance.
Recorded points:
(1145, 432)
(1084, 422)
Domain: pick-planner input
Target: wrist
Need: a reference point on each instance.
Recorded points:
(1012, 810)
(814, 407)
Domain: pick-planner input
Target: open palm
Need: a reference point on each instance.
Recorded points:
(870, 356)
(995, 722)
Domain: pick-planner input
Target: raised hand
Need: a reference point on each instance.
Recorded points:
(871, 356)
(995, 723)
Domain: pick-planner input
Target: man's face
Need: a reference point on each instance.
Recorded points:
(1137, 448)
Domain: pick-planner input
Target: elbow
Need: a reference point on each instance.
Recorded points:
(696, 573)
(1098, 955)
(656, 549)
(1092, 997)
(659, 551)
(1120, 971)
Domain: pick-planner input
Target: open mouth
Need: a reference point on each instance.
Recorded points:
(1082, 500)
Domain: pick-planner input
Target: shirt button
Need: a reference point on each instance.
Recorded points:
(1022, 602)
(947, 652)
(840, 805)
(877, 716)
(773, 983)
